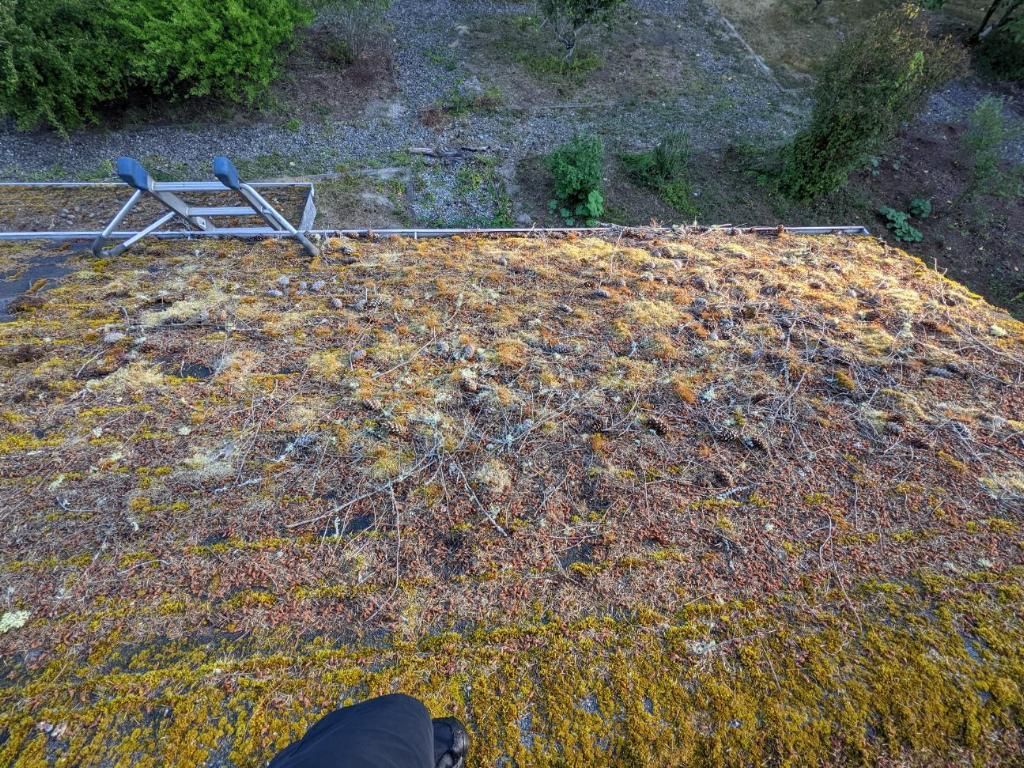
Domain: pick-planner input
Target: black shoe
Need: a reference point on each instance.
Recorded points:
(451, 743)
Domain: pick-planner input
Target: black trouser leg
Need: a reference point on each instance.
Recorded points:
(389, 732)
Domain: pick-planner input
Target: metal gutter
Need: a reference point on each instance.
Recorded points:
(248, 232)
(181, 186)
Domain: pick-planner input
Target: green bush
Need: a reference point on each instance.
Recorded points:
(665, 163)
(873, 82)
(663, 169)
(57, 62)
(62, 61)
(983, 142)
(576, 169)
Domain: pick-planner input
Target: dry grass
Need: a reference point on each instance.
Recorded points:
(718, 483)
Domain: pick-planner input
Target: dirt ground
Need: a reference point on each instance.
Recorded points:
(976, 242)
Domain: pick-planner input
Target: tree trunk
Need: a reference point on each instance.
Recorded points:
(1008, 16)
(976, 37)
(568, 39)
(570, 52)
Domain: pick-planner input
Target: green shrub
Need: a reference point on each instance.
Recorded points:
(665, 163)
(459, 102)
(576, 169)
(983, 141)
(62, 61)
(663, 169)
(920, 208)
(56, 61)
(872, 83)
(679, 194)
(898, 222)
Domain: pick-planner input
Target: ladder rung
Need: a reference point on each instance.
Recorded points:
(188, 186)
(223, 210)
(246, 231)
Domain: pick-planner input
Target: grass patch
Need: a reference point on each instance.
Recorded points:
(277, 164)
(663, 169)
(554, 65)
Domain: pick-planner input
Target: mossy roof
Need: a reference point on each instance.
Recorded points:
(706, 499)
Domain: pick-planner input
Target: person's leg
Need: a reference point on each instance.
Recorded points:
(387, 732)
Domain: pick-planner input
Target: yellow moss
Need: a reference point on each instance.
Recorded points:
(953, 462)
(729, 684)
(15, 442)
(251, 598)
(685, 673)
(195, 309)
(816, 499)
(684, 391)
(329, 365)
(136, 377)
(652, 313)
(388, 463)
(844, 380)
(510, 352)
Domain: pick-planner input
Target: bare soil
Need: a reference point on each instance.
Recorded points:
(976, 242)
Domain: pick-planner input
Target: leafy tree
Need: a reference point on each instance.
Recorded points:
(568, 18)
(875, 81)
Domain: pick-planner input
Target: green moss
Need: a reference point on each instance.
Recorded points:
(816, 499)
(729, 684)
(251, 598)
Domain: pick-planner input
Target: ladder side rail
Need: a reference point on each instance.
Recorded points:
(270, 213)
(101, 239)
(120, 248)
